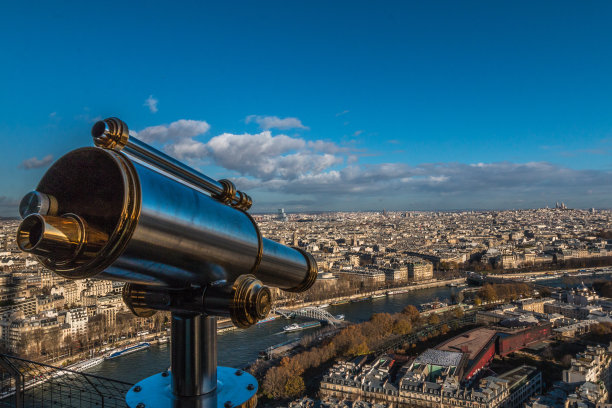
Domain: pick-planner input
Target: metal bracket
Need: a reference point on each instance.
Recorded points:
(235, 388)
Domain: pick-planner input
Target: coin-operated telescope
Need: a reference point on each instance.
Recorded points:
(180, 240)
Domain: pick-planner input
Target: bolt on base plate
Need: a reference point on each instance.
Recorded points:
(235, 388)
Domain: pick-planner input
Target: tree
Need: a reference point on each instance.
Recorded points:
(412, 312)
(382, 322)
(488, 293)
(359, 349)
(294, 386)
(274, 382)
(433, 319)
(402, 326)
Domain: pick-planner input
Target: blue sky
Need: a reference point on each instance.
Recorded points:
(324, 105)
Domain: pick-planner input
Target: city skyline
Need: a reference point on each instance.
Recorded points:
(325, 107)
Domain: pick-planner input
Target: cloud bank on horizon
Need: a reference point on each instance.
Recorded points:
(36, 163)
(304, 174)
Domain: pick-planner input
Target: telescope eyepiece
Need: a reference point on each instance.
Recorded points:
(59, 240)
(48, 235)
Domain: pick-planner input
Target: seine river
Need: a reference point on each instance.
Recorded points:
(238, 348)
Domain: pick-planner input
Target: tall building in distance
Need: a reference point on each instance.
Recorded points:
(281, 216)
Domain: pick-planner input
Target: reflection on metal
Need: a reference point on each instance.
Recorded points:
(161, 232)
(193, 354)
(135, 298)
(59, 240)
(181, 241)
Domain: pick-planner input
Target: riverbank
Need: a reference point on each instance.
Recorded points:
(365, 295)
(569, 272)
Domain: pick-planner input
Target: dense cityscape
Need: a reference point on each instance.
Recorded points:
(505, 340)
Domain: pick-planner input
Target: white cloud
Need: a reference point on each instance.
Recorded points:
(344, 112)
(265, 156)
(260, 155)
(53, 114)
(443, 186)
(151, 103)
(328, 176)
(187, 149)
(179, 130)
(274, 122)
(35, 163)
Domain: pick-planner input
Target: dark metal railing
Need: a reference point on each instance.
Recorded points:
(25, 383)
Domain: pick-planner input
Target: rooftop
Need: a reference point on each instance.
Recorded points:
(470, 342)
(440, 358)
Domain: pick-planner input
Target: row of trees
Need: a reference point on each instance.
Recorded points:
(475, 265)
(286, 379)
(342, 287)
(502, 291)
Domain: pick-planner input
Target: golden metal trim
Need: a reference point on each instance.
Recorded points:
(251, 301)
(111, 134)
(133, 299)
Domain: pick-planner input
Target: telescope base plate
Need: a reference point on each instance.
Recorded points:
(235, 388)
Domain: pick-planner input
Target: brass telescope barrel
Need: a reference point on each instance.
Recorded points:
(112, 133)
(118, 218)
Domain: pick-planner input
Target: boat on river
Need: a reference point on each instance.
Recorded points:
(301, 326)
(128, 350)
(84, 365)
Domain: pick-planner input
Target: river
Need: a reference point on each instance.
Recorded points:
(238, 348)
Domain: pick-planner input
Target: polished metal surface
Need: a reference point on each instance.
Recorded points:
(141, 301)
(111, 133)
(59, 241)
(193, 354)
(161, 232)
(49, 235)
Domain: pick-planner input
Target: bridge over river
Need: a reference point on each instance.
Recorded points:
(311, 312)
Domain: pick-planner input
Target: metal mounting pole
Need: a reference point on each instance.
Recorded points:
(195, 381)
(193, 354)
